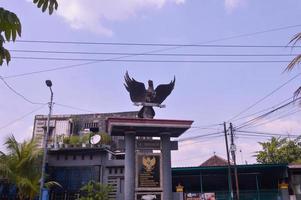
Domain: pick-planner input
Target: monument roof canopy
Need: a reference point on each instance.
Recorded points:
(147, 127)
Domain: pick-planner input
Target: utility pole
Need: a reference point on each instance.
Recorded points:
(229, 164)
(42, 181)
(233, 149)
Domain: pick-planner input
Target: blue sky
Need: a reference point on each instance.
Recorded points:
(208, 93)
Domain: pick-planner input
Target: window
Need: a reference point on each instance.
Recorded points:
(91, 125)
(91, 157)
(110, 170)
(83, 157)
(66, 157)
(116, 171)
(74, 157)
(57, 157)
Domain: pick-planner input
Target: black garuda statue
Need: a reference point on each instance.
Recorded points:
(147, 98)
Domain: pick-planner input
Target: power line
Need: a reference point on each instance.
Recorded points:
(150, 54)
(147, 52)
(73, 107)
(149, 60)
(22, 117)
(281, 117)
(265, 133)
(265, 109)
(205, 139)
(247, 123)
(265, 97)
(199, 136)
(160, 44)
(252, 136)
(18, 93)
(258, 119)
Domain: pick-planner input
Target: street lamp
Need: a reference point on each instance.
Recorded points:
(49, 84)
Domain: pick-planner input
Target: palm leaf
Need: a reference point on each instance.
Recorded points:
(50, 184)
(297, 92)
(297, 59)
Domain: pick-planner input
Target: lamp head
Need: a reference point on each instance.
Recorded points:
(48, 83)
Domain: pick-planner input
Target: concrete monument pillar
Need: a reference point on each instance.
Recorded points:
(129, 171)
(166, 159)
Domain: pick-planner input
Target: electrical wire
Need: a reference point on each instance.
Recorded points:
(204, 139)
(147, 52)
(199, 136)
(265, 109)
(73, 107)
(22, 117)
(247, 123)
(19, 94)
(161, 44)
(265, 133)
(265, 97)
(281, 117)
(149, 60)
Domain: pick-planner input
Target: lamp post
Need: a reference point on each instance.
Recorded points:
(49, 84)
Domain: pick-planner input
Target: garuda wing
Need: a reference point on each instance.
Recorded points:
(136, 89)
(163, 90)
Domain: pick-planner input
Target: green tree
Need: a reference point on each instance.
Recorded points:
(95, 191)
(21, 166)
(10, 25)
(279, 150)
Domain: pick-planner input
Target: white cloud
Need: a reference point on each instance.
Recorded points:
(231, 5)
(283, 126)
(194, 153)
(92, 15)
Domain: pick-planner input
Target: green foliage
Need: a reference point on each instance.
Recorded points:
(21, 166)
(51, 5)
(95, 191)
(66, 140)
(85, 138)
(105, 138)
(10, 27)
(74, 140)
(279, 150)
(295, 61)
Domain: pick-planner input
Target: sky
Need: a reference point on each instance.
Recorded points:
(208, 93)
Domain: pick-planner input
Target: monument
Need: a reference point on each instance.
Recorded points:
(147, 174)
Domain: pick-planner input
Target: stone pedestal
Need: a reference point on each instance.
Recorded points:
(132, 127)
(166, 158)
(129, 171)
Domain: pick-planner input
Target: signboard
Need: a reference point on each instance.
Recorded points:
(148, 171)
(193, 196)
(148, 144)
(149, 196)
(154, 145)
(200, 196)
(209, 196)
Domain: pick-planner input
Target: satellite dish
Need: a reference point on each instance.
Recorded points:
(95, 139)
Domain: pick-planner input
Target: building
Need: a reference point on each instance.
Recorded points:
(256, 181)
(66, 125)
(74, 165)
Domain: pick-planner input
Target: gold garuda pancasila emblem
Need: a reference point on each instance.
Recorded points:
(149, 163)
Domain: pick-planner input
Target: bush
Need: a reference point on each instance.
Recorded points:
(95, 191)
(74, 140)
